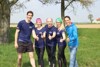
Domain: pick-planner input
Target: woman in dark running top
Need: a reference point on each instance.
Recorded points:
(60, 36)
(40, 44)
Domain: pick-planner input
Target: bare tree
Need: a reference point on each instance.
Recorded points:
(66, 3)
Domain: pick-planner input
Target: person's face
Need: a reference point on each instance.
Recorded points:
(58, 24)
(67, 21)
(49, 22)
(29, 16)
(39, 24)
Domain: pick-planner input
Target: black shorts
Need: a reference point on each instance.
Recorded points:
(24, 47)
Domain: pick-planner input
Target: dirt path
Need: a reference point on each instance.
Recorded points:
(88, 25)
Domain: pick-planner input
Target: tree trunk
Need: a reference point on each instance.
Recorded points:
(62, 9)
(4, 23)
(91, 21)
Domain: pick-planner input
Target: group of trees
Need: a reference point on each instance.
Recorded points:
(5, 10)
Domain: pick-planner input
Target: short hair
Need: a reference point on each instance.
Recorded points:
(49, 19)
(67, 17)
(30, 12)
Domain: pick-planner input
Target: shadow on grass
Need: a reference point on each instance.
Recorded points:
(1, 52)
(62, 64)
(27, 64)
(67, 64)
(11, 34)
(46, 64)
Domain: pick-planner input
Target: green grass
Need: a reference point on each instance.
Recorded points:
(88, 54)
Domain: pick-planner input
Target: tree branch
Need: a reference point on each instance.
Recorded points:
(1, 1)
(68, 4)
(12, 2)
(73, 9)
(41, 1)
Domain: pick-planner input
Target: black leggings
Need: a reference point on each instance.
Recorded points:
(51, 50)
(61, 56)
(40, 54)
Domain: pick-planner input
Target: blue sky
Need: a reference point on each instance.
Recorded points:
(44, 11)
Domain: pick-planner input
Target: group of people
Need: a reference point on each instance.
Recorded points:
(47, 38)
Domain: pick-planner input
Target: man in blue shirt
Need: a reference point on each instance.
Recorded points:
(23, 41)
(72, 40)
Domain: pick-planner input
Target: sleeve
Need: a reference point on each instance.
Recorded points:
(54, 29)
(33, 27)
(44, 29)
(74, 34)
(62, 31)
(19, 26)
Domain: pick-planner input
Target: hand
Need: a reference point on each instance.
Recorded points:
(16, 45)
(50, 37)
(68, 39)
(33, 46)
(37, 38)
(61, 40)
(42, 36)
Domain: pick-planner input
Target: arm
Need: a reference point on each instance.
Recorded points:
(16, 38)
(53, 36)
(34, 35)
(44, 35)
(63, 37)
(74, 33)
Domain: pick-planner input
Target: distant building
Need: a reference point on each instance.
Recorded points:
(96, 20)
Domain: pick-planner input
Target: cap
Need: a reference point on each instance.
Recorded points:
(59, 20)
(38, 20)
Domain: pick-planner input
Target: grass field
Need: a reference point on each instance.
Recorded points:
(88, 54)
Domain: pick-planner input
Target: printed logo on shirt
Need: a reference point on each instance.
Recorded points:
(58, 33)
(40, 32)
(30, 27)
(20, 40)
(50, 32)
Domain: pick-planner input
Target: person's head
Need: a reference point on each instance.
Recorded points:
(29, 15)
(39, 22)
(67, 20)
(49, 22)
(58, 22)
